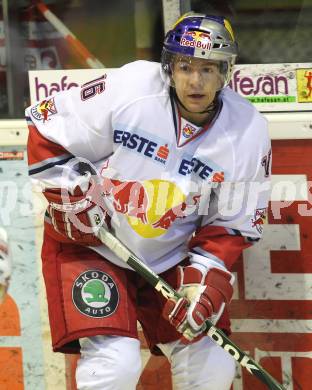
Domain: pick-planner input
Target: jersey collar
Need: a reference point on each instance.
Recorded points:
(185, 130)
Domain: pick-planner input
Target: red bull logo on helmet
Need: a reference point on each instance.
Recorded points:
(197, 39)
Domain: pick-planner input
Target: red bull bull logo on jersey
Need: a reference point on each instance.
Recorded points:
(150, 206)
(196, 39)
(127, 197)
(182, 210)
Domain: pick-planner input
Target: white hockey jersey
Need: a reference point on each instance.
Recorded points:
(172, 186)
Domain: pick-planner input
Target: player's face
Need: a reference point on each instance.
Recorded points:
(196, 82)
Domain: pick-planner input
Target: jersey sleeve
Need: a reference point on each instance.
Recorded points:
(73, 123)
(237, 209)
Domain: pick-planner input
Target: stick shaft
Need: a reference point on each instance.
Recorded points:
(168, 292)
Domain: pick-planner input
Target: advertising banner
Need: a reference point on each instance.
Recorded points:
(271, 87)
(275, 87)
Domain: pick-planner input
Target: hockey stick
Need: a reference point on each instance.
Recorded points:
(168, 292)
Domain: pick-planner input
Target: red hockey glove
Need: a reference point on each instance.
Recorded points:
(204, 296)
(75, 215)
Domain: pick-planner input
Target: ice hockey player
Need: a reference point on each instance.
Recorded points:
(5, 265)
(167, 157)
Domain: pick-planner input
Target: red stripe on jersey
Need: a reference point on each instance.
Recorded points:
(40, 148)
(217, 241)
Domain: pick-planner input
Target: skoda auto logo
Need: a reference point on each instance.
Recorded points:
(95, 294)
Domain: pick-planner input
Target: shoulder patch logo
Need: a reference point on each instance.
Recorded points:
(95, 294)
(43, 110)
(259, 219)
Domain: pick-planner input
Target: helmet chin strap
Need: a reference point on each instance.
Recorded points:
(212, 108)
